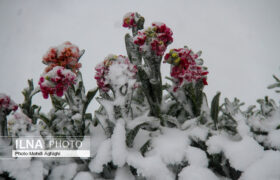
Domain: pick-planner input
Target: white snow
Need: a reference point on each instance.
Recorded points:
(65, 172)
(83, 176)
(197, 173)
(97, 136)
(266, 168)
(150, 167)
(119, 151)
(124, 174)
(241, 154)
(273, 138)
(166, 144)
(196, 157)
(22, 168)
(103, 157)
(198, 133)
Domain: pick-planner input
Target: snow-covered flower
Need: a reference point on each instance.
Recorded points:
(56, 81)
(155, 38)
(66, 55)
(7, 104)
(186, 67)
(18, 124)
(114, 70)
(130, 19)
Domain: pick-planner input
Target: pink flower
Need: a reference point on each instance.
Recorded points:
(125, 68)
(185, 67)
(156, 38)
(140, 38)
(131, 19)
(128, 20)
(7, 104)
(56, 81)
(66, 55)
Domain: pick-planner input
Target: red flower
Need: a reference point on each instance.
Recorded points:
(102, 71)
(140, 38)
(66, 55)
(56, 81)
(129, 20)
(185, 67)
(7, 104)
(156, 38)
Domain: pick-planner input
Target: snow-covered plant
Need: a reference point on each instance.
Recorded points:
(7, 105)
(186, 67)
(66, 55)
(154, 39)
(56, 81)
(143, 129)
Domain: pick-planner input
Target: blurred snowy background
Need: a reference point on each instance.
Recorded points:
(239, 39)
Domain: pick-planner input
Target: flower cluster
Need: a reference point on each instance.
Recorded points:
(56, 81)
(155, 38)
(66, 55)
(7, 104)
(185, 66)
(131, 19)
(114, 70)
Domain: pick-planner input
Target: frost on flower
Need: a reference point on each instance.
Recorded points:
(56, 81)
(66, 55)
(7, 104)
(155, 38)
(115, 71)
(19, 124)
(131, 19)
(186, 67)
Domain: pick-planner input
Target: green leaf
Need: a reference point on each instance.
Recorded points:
(57, 102)
(273, 85)
(145, 147)
(215, 108)
(132, 134)
(278, 80)
(80, 87)
(90, 96)
(45, 119)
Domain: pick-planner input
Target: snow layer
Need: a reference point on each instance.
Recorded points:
(119, 151)
(83, 176)
(274, 138)
(65, 172)
(266, 168)
(150, 167)
(124, 174)
(103, 157)
(241, 154)
(170, 141)
(22, 168)
(197, 173)
(196, 157)
(97, 136)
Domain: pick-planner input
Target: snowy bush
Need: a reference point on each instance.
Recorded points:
(143, 129)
